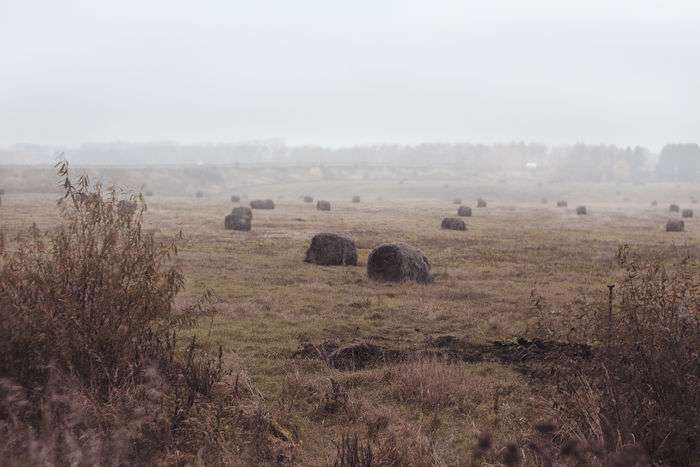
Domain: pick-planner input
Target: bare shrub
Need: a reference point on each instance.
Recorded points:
(641, 390)
(89, 368)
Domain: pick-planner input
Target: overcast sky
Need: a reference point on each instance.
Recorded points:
(344, 72)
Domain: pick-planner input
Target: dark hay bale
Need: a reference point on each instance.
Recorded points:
(544, 201)
(457, 201)
(262, 204)
(562, 204)
(329, 249)
(673, 208)
(464, 211)
(480, 203)
(2, 192)
(654, 203)
(581, 210)
(199, 194)
(148, 193)
(126, 208)
(235, 199)
(355, 199)
(239, 219)
(675, 226)
(308, 199)
(452, 223)
(687, 213)
(398, 262)
(323, 206)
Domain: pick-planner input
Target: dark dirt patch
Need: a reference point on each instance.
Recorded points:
(528, 356)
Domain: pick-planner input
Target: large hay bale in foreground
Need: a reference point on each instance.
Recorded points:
(398, 262)
(581, 210)
(673, 208)
(323, 206)
(239, 219)
(675, 226)
(262, 204)
(457, 201)
(329, 249)
(452, 223)
(562, 203)
(308, 199)
(235, 199)
(687, 213)
(464, 211)
(356, 199)
(480, 203)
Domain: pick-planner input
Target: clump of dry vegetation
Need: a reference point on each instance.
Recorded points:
(90, 369)
(640, 392)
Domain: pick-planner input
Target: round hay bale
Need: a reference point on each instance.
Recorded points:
(452, 223)
(675, 226)
(398, 262)
(148, 193)
(654, 203)
(308, 199)
(329, 249)
(126, 208)
(239, 219)
(262, 204)
(464, 211)
(562, 203)
(235, 199)
(457, 201)
(323, 206)
(199, 194)
(480, 203)
(356, 199)
(544, 201)
(687, 213)
(673, 208)
(2, 192)
(581, 210)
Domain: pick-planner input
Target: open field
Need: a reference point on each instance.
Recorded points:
(486, 280)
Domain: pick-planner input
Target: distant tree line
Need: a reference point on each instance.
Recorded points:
(579, 162)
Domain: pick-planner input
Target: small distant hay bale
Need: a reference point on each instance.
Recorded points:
(308, 199)
(329, 249)
(654, 203)
(687, 213)
(235, 199)
(581, 210)
(480, 203)
(693, 200)
(398, 262)
(673, 208)
(544, 201)
(356, 199)
(2, 192)
(562, 203)
(457, 201)
(452, 223)
(464, 211)
(262, 204)
(148, 193)
(323, 205)
(239, 219)
(675, 226)
(126, 207)
(199, 194)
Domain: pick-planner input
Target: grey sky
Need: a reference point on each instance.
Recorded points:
(331, 72)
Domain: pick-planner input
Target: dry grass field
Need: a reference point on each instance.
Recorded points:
(492, 283)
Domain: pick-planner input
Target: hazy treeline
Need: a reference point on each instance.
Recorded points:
(580, 162)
